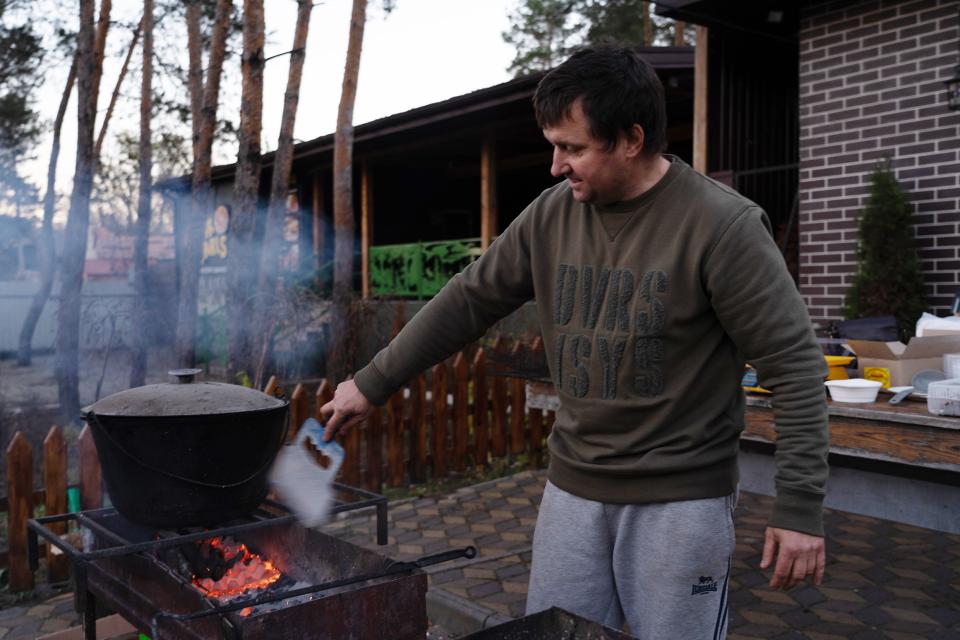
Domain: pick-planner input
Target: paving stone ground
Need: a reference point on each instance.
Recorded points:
(884, 580)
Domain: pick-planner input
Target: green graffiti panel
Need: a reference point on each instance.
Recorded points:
(421, 269)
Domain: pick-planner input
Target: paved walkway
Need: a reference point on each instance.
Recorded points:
(884, 580)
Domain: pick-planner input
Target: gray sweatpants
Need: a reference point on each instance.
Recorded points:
(663, 567)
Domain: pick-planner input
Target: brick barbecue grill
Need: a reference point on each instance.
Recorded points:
(311, 585)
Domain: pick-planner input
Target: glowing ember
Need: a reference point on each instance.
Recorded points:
(247, 572)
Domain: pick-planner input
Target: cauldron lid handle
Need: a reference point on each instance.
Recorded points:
(184, 376)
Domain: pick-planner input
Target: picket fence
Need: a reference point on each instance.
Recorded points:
(464, 418)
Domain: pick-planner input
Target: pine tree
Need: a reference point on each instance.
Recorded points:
(888, 279)
(546, 32)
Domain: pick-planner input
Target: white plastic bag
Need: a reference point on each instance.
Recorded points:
(930, 322)
(300, 477)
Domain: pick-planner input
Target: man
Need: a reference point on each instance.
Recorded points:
(653, 285)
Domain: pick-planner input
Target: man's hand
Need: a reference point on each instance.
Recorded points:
(798, 555)
(348, 407)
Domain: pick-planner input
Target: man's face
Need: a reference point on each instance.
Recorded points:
(594, 173)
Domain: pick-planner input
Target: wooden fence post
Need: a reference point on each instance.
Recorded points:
(418, 432)
(299, 410)
(536, 438)
(323, 396)
(374, 473)
(20, 500)
(461, 410)
(352, 446)
(395, 439)
(55, 500)
(91, 479)
(481, 419)
(518, 402)
(439, 440)
(272, 388)
(498, 396)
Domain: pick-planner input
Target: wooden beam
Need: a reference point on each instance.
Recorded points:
(488, 192)
(700, 102)
(319, 220)
(366, 224)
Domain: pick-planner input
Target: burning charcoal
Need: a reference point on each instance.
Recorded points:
(210, 559)
(241, 572)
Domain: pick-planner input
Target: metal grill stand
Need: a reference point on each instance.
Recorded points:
(118, 539)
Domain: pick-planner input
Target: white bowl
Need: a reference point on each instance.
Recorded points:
(853, 390)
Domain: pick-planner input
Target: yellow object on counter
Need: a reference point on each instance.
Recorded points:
(880, 374)
(836, 367)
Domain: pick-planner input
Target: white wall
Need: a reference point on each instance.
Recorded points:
(101, 301)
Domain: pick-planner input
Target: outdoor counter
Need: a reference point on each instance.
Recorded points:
(880, 432)
(897, 462)
(904, 433)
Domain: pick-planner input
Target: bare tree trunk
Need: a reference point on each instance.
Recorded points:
(47, 246)
(241, 254)
(202, 196)
(116, 91)
(343, 224)
(142, 324)
(195, 74)
(648, 35)
(75, 247)
(678, 31)
(100, 44)
(276, 210)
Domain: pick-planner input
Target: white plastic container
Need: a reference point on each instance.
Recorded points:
(951, 365)
(943, 397)
(853, 390)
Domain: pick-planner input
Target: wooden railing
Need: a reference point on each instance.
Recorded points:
(464, 418)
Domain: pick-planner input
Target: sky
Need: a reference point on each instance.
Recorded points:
(424, 51)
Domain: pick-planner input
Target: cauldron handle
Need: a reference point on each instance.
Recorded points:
(91, 416)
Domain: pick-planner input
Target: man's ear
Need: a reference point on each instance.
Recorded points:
(634, 140)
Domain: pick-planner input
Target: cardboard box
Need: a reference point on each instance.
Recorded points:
(930, 333)
(894, 363)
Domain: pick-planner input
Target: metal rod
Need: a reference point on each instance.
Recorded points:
(89, 614)
(52, 538)
(109, 534)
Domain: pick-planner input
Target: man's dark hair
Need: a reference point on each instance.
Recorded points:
(618, 89)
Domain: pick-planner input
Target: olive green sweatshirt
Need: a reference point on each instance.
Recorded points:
(648, 309)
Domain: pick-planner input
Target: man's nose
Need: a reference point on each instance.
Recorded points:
(559, 165)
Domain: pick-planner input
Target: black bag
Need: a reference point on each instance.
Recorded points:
(882, 329)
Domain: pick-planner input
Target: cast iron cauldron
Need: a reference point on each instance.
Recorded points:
(187, 454)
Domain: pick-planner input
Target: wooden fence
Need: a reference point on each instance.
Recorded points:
(464, 418)
(22, 499)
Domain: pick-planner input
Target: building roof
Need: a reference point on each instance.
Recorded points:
(518, 89)
(774, 19)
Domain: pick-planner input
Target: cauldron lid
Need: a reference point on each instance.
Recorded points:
(186, 398)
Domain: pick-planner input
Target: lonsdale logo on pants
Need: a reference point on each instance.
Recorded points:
(706, 584)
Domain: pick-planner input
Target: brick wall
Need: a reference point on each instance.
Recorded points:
(871, 84)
